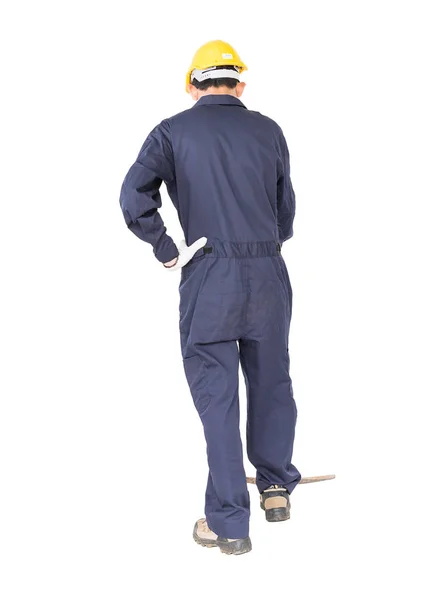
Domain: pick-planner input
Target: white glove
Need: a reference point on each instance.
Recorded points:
(186, 253)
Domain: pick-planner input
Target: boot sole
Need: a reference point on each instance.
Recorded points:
(238, 547)
(274, 515)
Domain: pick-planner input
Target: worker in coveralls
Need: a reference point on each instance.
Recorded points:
(226, 169)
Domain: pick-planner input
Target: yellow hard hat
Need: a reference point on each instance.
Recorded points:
(215, 54)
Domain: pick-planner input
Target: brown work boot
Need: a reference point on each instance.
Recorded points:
(206, 537)
(275, 502)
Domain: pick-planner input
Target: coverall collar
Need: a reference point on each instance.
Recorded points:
(220, 99)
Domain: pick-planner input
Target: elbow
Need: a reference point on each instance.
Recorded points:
(286, 230)
(285, 236)
(289, 235)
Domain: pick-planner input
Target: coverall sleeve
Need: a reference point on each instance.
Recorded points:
(140, 196)
(285, 194)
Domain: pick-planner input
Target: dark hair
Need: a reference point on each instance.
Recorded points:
(228, 82)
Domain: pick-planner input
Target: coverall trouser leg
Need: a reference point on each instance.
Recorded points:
(271, 413)
(235, 306)
(212, 375)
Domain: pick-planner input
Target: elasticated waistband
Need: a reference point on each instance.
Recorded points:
(219, 249)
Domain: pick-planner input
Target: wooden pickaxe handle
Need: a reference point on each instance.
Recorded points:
(304, 479)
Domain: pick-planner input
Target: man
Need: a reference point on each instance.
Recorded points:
(227, 173)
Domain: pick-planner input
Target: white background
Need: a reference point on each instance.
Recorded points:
(103, 463)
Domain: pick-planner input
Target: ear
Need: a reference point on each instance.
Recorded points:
(193, 91)
(240, 88)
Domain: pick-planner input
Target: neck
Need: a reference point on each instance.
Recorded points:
(218, 91)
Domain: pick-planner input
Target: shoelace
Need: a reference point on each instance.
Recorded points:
(204, 526)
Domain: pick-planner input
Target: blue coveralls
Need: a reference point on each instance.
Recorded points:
(227, 172)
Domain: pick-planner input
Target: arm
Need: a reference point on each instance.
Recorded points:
(285, 194)
(140, 197)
